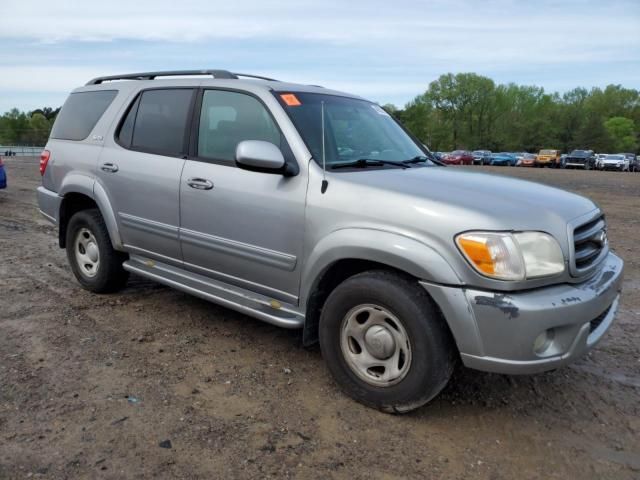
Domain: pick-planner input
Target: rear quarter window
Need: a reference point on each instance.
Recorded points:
(80, 113)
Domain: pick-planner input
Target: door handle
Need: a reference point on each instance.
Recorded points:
(200, 183)
(109, 167)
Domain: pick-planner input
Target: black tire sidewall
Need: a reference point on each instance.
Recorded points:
(431, 347)
(110, 276)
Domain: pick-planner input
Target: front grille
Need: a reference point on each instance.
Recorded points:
(590, 244)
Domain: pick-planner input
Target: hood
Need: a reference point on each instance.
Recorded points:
(450, 201)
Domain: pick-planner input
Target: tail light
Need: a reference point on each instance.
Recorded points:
(1, 162)
(44, 160)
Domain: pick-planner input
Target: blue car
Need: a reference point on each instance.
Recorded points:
(3, 175)
(503, 158)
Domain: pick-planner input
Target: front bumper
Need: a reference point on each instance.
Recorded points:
(495, 332)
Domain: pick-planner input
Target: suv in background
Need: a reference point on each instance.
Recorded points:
(481, 157)
(585, 159)
(548, 158)
(313, 209)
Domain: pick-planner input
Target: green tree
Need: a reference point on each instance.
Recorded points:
(623, 134)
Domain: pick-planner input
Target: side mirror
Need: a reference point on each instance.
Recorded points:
(259, 156)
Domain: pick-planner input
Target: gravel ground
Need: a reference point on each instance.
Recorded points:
(151, 382)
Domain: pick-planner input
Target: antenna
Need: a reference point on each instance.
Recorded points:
(325, 184)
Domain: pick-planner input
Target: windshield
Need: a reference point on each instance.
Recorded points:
(614, 157)
(547, 152)
(579, 153)
(354, 129)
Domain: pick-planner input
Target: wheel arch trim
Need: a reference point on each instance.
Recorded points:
(76, 183)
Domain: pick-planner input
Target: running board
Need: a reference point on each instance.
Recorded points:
(230, 296)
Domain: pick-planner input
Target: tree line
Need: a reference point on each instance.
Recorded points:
(469, 111)
(27, 128)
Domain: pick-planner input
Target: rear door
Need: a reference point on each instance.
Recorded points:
(242, 227)
(141, 172)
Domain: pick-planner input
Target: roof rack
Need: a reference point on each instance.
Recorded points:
(220, 74)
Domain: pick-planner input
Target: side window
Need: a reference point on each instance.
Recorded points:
(227, 118)
(157, 122)
(126, 129)
(80, 113)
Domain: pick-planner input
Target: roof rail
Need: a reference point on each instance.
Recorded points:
(221, 74)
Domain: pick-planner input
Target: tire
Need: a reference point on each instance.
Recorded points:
(397, 308)
(95, 264)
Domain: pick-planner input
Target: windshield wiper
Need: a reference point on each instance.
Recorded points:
(418, 159)
(368, 162)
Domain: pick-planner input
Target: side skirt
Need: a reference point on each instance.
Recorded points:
(250, 303)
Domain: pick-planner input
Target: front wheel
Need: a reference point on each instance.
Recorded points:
(385, 342)
(95, 264)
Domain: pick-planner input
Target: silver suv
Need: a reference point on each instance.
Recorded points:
(314, 209)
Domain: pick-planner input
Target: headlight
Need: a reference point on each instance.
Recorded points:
(512, 256)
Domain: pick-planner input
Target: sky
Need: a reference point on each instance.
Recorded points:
(387, 51)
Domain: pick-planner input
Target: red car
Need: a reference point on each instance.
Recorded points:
(458, 157)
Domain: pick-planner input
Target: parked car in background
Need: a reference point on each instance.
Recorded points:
(599, 158)
(458, 157)
(3, 175)
(585, 159)
(503, 159)
(615, 161)
(548, 158)
(481, 157)
(528, 160)
(633, 162)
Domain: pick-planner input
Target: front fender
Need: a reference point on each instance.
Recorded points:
(392, 249)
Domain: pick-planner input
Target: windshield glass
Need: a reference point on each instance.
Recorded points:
(354, 129)
(547, 152)
(614, 157)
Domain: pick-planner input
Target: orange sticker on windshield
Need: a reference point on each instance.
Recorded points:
(290, 99)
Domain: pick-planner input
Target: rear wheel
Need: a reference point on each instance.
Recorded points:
(385, 342)
(95, 264)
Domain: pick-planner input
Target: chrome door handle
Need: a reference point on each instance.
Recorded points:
(109, 167)
(200, 183)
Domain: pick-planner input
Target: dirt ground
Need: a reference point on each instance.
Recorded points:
(99, 386)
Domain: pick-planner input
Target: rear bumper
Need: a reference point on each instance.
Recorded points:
(496, 332)
(49, 204)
